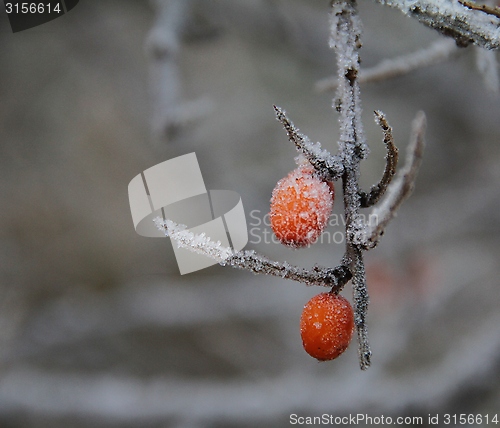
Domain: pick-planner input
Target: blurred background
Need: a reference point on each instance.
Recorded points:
(97, 326)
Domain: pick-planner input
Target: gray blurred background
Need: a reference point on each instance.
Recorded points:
(97, 326)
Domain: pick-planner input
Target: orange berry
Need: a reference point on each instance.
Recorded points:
(300, 207)
(326, 326)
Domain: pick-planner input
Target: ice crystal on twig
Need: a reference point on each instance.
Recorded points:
(452, 19)
(328, 167)
(490, 10)
(197, 243)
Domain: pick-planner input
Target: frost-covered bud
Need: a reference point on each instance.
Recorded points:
(301, 205)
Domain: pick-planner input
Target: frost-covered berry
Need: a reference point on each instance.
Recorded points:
(301, 204)
(326, 326)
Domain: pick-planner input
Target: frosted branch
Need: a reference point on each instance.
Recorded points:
(256, 263)
(402, 187)
(378, 190)
(250, 260)
(327, 166)
(162, 46)
(345, 33)
(452, 19)
(490, 10)
(170, 111)
(197, 243)
(439, 51)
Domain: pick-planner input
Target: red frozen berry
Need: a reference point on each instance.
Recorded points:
(326, 326)
(301, 204)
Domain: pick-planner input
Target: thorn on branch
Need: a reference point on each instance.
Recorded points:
(328, 167)
(401, 188)
(378, 190)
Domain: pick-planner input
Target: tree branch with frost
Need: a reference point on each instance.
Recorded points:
(490, 10)
(378, 190)
(401, 188)
(334, 278)
(201, 244)
(197, 243)
(345, 39)
(438, 51)
(328, 167)
(452, 19)
(170, 111)
(345, 33)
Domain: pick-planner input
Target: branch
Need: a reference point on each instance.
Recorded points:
(378, 190)
(328, 167)
(401, 188)
(345, 33)
(326, 277)
(252, 261)
(490, 10)
(439, 51)
(453, 20)
(197, 243)
(170, 111)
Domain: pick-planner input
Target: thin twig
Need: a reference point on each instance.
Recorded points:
(252, 261)
(378, 190)
(437, 52)
(171, 112)
(325, 277)
(197, 243)
(328, 167)
(453, 20)
(401, 188)
(162, 46)
(490, 10)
